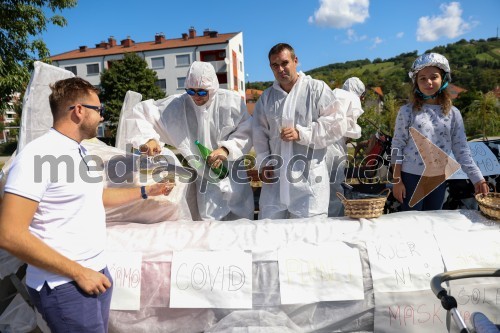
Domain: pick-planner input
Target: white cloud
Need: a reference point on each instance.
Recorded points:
(353, 37)
(377, 40)
(400, 34)
(449, 24)
(340, 13)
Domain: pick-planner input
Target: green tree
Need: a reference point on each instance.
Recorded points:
(370, 122)
(391, 108)
(21, 22)
(465, 99)
(130, 73)
(483, 116)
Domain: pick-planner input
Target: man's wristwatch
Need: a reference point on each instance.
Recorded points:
(143, 192)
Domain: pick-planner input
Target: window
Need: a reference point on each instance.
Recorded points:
(158, 62)
(93, 69)
(72, 69)
(241, 85)
(209, 57)
(183, 60)
(162, 84)
(241, 66)
(112, 62)
(241, 49)
(212, 55)
(181, 81)
(222, 78)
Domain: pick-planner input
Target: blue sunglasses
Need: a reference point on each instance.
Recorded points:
(199, 92)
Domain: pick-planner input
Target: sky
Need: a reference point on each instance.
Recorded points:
(322, 32)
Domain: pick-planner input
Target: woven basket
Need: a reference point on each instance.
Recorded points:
(489, 204)
(364, 208)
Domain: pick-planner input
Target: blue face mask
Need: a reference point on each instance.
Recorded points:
(426, 97)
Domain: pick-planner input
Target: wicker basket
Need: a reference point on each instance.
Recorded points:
(489, 204)
(364, 208)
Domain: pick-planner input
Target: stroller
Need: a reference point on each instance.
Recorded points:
(480, 323)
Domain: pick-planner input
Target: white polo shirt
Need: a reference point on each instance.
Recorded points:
(70, 217)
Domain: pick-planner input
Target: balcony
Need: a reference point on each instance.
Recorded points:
(220, 66)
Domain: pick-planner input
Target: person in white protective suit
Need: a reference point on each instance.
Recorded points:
(337, 152)
(295, 120)
(218, 119)
(356, 86)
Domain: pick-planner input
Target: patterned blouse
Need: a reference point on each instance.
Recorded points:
(444, 131)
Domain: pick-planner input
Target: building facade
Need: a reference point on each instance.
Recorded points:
(169, 58)
(8, 119)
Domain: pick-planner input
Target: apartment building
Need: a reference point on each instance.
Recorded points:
(169, 58)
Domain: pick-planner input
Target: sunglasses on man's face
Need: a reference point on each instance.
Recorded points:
(199, 92)
(99, 109)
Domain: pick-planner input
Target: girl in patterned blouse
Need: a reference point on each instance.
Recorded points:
(428, 130)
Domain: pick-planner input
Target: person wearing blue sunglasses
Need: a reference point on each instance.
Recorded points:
(218, 119)
(197, 92)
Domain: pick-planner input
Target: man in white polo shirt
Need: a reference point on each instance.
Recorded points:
(53, 217)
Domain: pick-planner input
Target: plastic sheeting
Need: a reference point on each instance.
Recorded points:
(36, 118)
(263, 238)
(126, 126)
(18, 317)
(124, 170)
(157, 242)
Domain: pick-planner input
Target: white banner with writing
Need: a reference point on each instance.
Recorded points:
(329, 272)
(417, 311)
(404, 263)
(125, 269)
(211, 279)
(479, 249)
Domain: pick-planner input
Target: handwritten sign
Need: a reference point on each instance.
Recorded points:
(330, 272)
(480, 249)
(404, 264)
(484, 158)
(125, 269)
(418, 311)
(477, 297)
(211, 279)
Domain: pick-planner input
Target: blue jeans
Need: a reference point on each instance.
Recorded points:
(432, 201)
(67, 308)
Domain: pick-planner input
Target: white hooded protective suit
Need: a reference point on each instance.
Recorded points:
(321, 119)
(222, 121)
(354, 85)
(337, 152)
